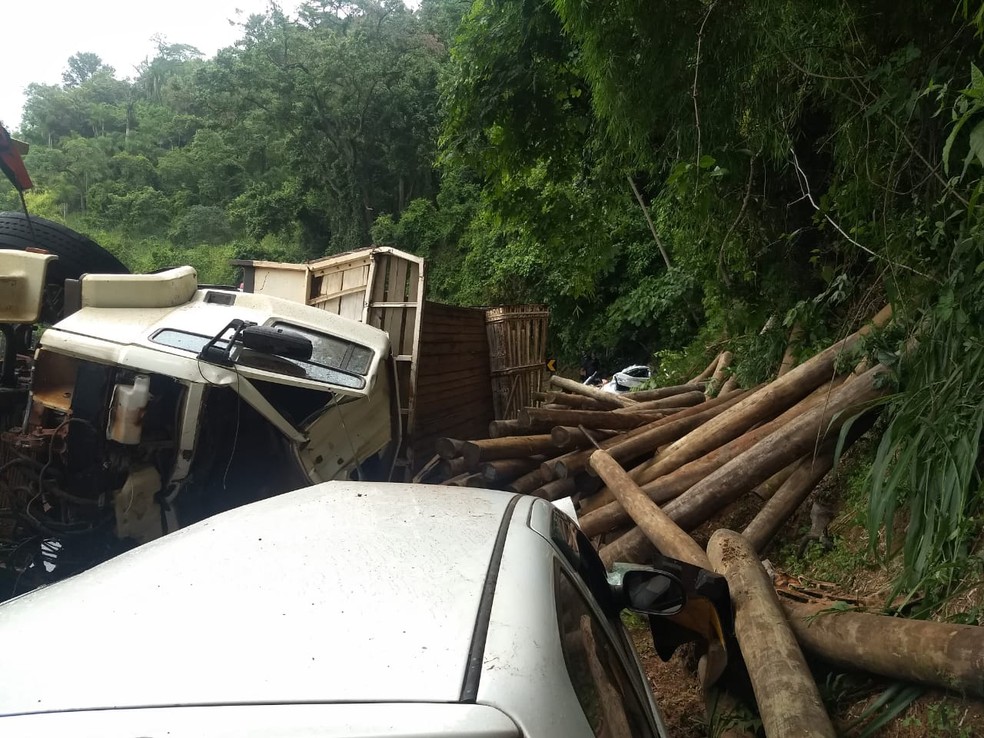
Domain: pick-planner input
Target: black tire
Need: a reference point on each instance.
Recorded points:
(77, 254)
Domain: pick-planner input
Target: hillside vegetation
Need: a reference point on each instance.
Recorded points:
(672, 182)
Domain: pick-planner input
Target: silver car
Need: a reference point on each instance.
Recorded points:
(345, 609)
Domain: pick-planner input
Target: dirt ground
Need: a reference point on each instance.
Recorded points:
(860, 706)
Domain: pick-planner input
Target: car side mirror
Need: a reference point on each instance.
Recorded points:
(277, 341)
(684, 603)
(649, 591)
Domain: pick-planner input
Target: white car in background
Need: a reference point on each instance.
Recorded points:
(628, 379)
(349, 609)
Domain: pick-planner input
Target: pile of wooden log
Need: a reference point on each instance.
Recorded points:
(645, 469)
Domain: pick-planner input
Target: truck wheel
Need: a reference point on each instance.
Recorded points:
(77, 254)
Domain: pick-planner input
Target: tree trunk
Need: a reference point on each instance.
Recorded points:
(788, 699)
(943, 655)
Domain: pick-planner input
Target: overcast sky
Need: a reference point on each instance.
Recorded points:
(36, 38)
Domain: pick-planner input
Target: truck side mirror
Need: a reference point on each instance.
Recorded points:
(277, 341)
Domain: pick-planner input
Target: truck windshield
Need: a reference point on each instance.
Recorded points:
(333, 361)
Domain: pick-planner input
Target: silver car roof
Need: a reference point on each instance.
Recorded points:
(343, 592)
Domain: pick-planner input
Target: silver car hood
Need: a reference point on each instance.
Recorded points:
(344, 592)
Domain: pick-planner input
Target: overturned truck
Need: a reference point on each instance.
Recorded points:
(155, 402)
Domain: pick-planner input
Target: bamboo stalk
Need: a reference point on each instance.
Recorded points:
(788, 699)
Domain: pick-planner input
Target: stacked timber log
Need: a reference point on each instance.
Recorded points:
(645, 469)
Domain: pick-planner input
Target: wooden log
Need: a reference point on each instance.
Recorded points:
(427, 470)
(780, 448)
(576, 461)
(663, 393)
(766, 402)
(567, 438)
(787, 696)
(668, 486)
(577, 401)
(448, 448)
(557, 489)
(507, 470)
(708, 371)
(730, 385)
(661, 531)
(605, 419)
(718, 378)
(466, 480)
(507, 447)
(671, 429)
(805, 475)
(455, 467)
(500, 428)
(503, 428)
(609, 398)
(666, 463)
(789, 356)
(943, 655)
(667, 404)
(767, 490)
(525, 484)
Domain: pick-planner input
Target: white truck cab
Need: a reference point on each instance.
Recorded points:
(156, 403)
